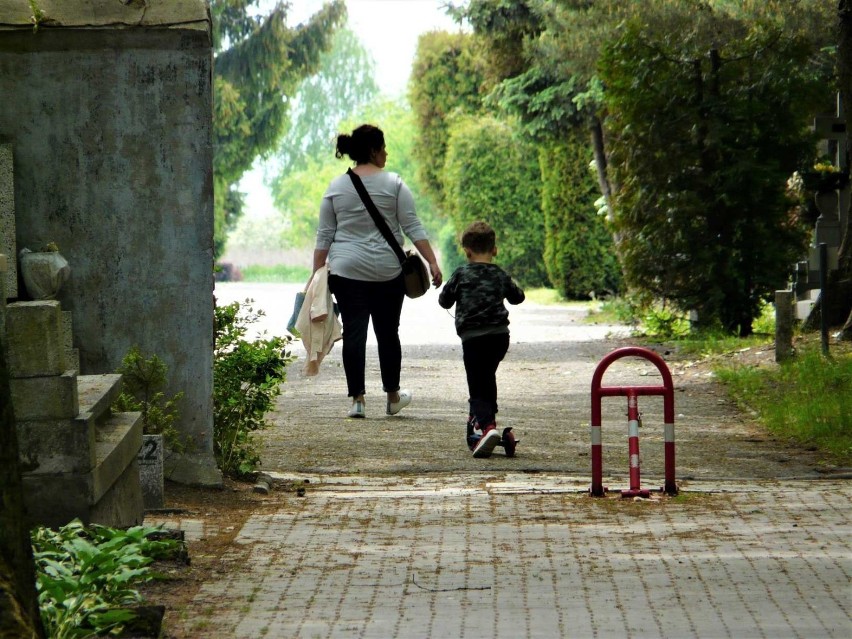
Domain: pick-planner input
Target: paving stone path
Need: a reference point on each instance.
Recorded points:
(401, 534)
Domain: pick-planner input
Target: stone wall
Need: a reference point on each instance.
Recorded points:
(110, 126)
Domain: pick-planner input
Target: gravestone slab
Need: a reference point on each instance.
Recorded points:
(7, 219)
(150, 462)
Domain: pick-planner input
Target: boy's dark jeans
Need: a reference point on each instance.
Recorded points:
(482, 356)
(358, 302)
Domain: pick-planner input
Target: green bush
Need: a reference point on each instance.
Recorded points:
(85, 575)
(141, 381)
(247, 376)
(491, 173)
(578, 249)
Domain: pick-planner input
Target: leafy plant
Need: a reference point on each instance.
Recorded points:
(142, 380)
(84, 575)
(663, 322)
(247, 376)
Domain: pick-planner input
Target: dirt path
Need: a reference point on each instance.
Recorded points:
(544, 394)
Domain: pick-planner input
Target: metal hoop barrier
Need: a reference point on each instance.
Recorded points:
(632, 393)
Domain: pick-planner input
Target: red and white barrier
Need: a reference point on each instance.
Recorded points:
(633, 419)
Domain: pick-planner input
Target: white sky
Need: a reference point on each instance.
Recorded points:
(388, 29)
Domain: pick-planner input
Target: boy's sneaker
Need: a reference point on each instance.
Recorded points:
(473, 440)
(487, 443)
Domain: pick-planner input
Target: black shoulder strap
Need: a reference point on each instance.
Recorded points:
(377, 217)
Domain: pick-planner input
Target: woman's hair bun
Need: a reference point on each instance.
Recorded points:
(344, 145)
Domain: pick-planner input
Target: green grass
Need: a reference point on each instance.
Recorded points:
(275, 274)
(547, 296)
(808, 399)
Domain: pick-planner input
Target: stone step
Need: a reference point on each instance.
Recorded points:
(117, 442)
(109, 492)
(96, 393)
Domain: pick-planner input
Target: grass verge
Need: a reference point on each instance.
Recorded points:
(280, 273)
(808, 399)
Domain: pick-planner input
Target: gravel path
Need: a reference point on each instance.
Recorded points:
(544, 394)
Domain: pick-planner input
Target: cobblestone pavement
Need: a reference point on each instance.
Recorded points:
(460, 556)
(408, 537)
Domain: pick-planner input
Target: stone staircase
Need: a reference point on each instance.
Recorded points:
(78, 458)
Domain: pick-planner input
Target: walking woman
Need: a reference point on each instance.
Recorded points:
(364, 272)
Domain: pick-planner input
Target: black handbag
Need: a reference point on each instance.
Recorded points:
(414, 271)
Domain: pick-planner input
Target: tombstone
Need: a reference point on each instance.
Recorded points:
(833, 205)
(150, 462)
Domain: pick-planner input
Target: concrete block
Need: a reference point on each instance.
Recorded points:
(803, 309)
(117, 442)
(56, 446)
(54, 500)
(121, 506)
(72, 355)
(35, 338)
(97, 393)
(8, 244)
(42, 398)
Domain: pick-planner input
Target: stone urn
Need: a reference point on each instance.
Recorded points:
(44, 272)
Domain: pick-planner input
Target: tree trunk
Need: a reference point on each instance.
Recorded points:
(600, 161)
(19, 615)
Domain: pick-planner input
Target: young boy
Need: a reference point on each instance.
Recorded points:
(478, 289)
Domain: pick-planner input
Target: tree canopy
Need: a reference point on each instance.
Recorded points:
(258, 65)
(698, 113)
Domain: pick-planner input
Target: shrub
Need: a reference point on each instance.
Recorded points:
(478, 186)
(141, 381)
(578, 250)
(247, 376)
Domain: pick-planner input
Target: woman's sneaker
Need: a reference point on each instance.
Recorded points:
(488, 442)
(404, 400)
(357, 411)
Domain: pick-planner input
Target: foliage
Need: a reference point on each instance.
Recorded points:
(343, 82)
(247, 376)
(141, 381)
(298, 194)
(808, 399)
(445, 81)
(662, 322)
(479, 186)
(578, 250)
(706, 121)
(85, 575)
(259, 63)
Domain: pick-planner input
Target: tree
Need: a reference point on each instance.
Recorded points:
(479, 185)
(259, 63)
(343, 83)
(445, 82)
(297, 195)
(19, 615)
(578, 249)
(707, 118)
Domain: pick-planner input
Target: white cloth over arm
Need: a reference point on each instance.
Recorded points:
(317, 323)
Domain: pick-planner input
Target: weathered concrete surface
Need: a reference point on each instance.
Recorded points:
(97, 13)
(110, 127)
